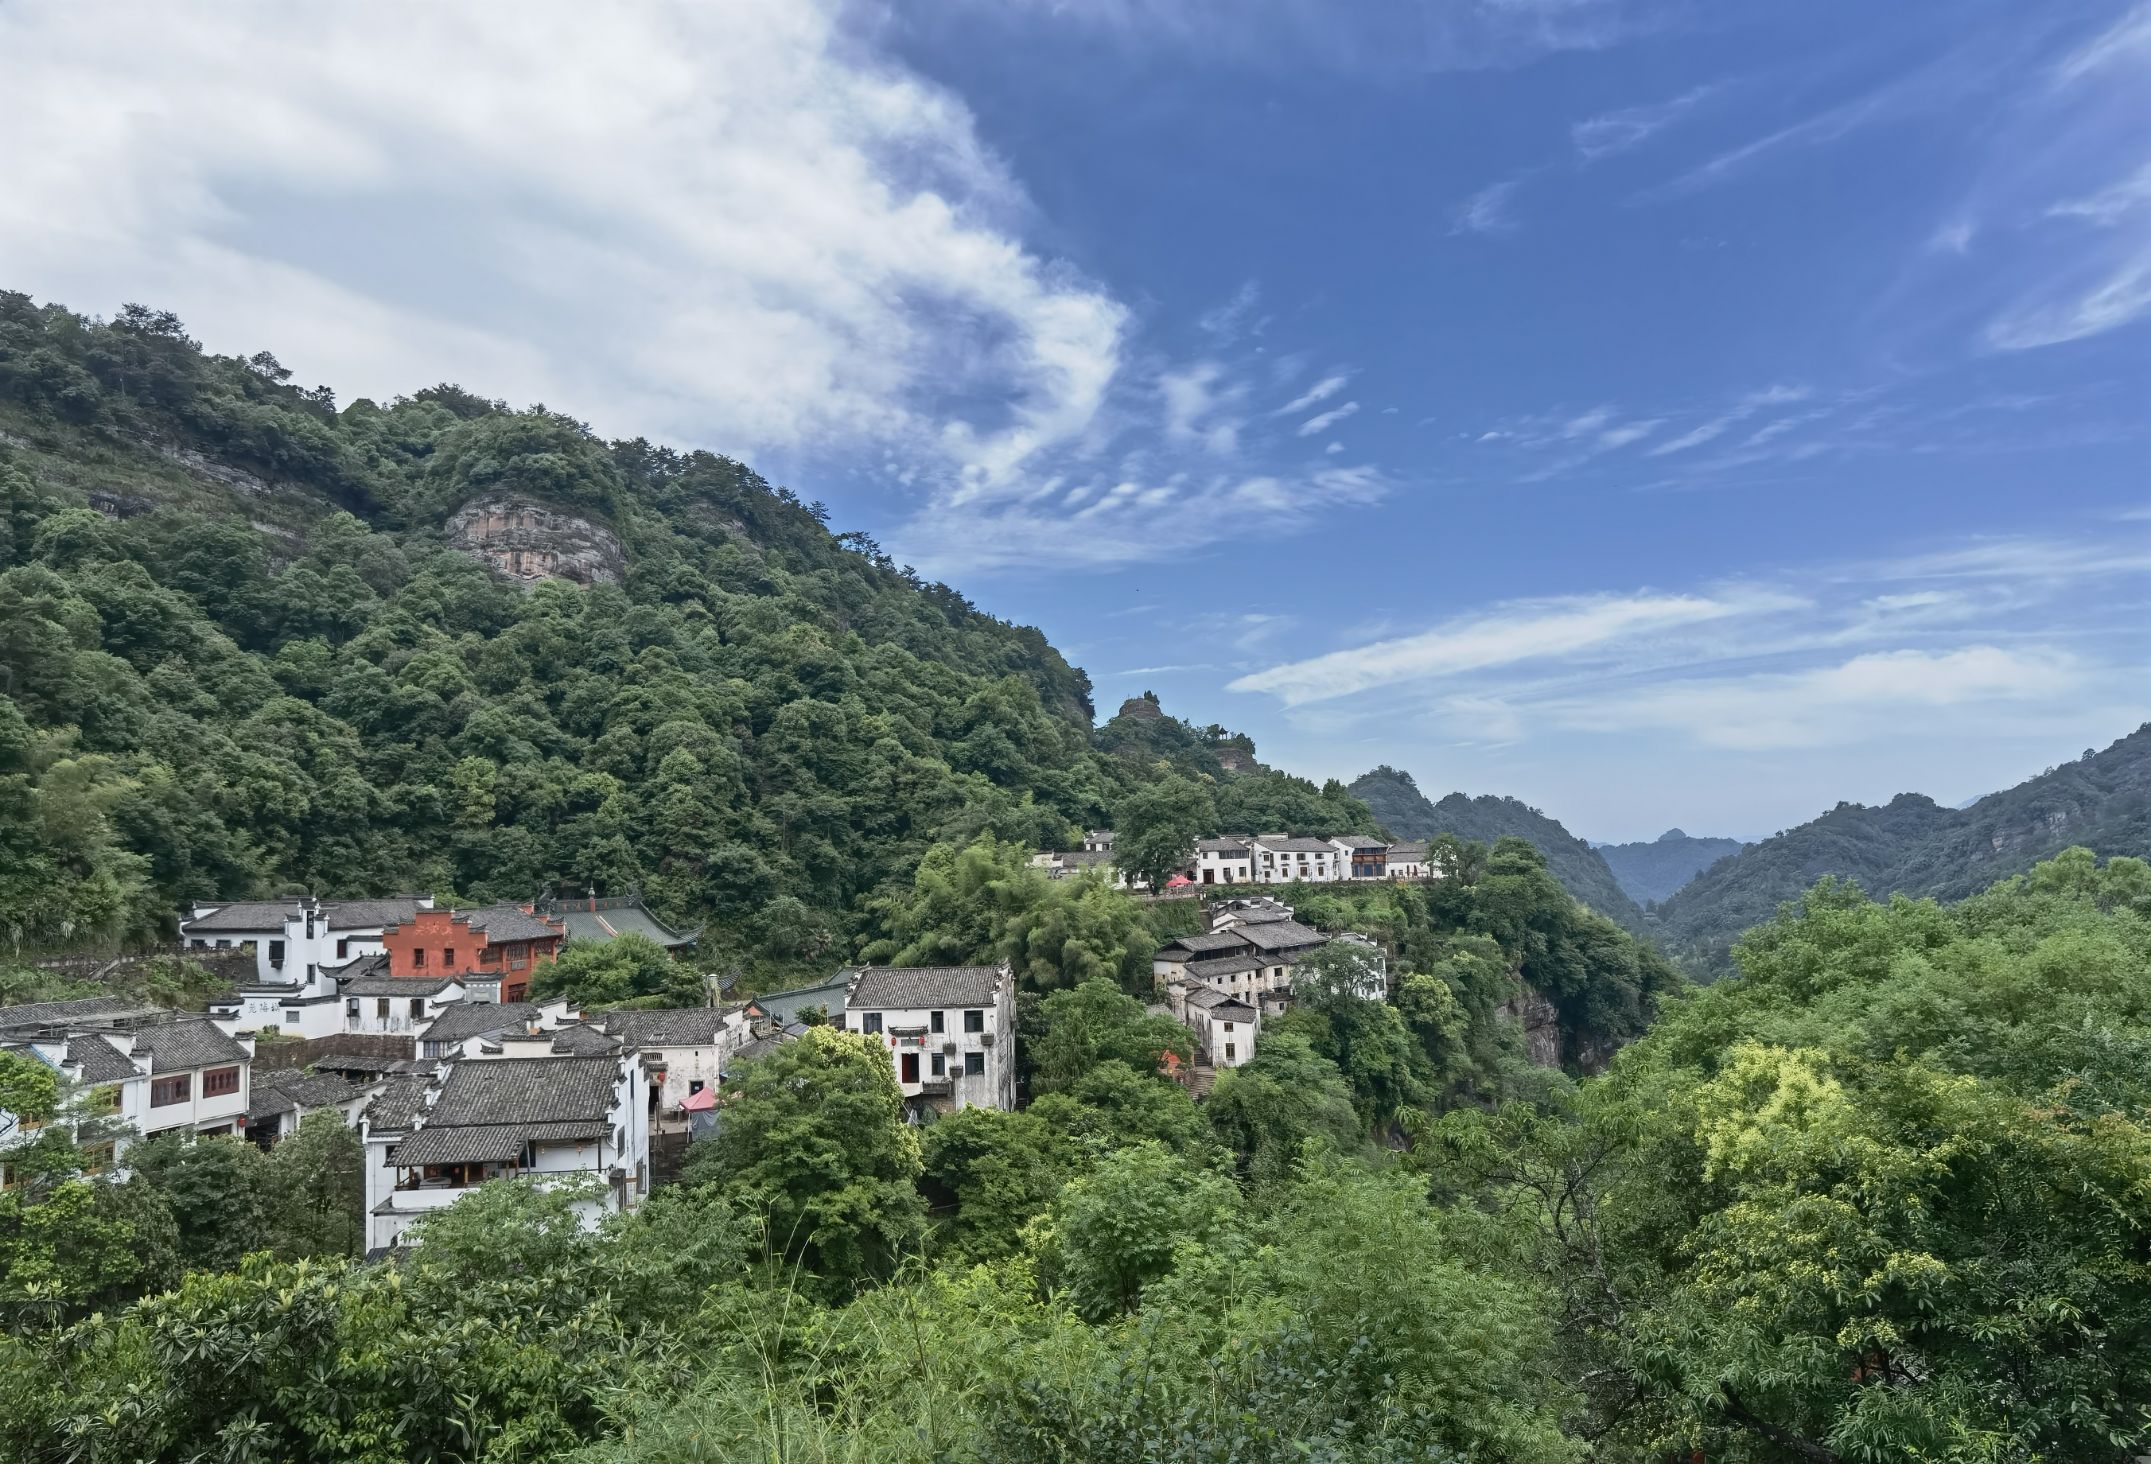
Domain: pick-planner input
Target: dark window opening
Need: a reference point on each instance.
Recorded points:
(974, 1021)
(974, 1063)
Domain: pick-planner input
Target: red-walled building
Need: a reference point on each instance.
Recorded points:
(500, 943)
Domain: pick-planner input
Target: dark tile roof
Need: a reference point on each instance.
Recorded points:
(1213, 942)
(669, 1027)
(1230, 965)
(80, 1009)
(1359, 841)
(1409, 849)
(401, 1099)
(884, 988)
(489, 1144)
(101, 1061)
(1092, 858)
(760, 1047)
(356, 1062)
(526, 1090)
(352, 914)
(380, 983)
(1272, 936)
(508, 922)
(1297, 845)
(604, 924)
(578, 1040)
(283, 1090)
(246, 916)
(1218, 1004)
(785, 1006)
(175, 1047)
(1226, 845)
(466, 1019)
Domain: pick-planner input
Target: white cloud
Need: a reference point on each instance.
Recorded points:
(2120, 299)
(747, 227)
(1616, 132)
(1588, 422)
(1488, 210)
(1520, 631)
(1321, 391)
(1198, 410)
(732, 224)
(2110, 204)
(1623, 435)
(2129, 38)
(1954, 237)
(1843, 702)
(1327, 419)
(1236, 315)
(1739, 412)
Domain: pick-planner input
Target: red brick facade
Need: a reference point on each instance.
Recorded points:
(500, 943)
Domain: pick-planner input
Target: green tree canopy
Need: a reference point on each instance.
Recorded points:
(812, 1138)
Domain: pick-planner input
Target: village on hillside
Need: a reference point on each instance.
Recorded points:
(414, 1023)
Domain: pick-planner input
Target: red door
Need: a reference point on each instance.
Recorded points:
(911, 1067)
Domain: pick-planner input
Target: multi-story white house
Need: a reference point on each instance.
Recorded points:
(683, 1050)
(397, 1005)
(950, 1031)
(1282, 859)
(1408, 860)
(198, 1077)
(1224, 861)
(555, 1118)
(295, 940)
(105, 1093)
(1225, 1027)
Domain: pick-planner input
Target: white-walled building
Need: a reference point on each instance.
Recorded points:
(464, 1028)
(950, 1031)
(296, 940)
(430, 1142)
(1283, 859)
(381, 1004)
(684, 1051)
(1223, 861)
(1408, 860)
(1225, 1027)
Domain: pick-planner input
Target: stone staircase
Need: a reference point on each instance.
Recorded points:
(1201, 1081)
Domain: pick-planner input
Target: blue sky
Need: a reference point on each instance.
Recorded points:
(1663, 412)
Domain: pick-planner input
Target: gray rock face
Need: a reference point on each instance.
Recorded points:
(525, 541)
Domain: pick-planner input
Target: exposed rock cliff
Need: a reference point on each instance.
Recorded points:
(527, 542)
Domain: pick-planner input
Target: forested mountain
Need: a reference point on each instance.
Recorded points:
(251, 641)
(1650, 871)
(1912, 845)
(1405, 812)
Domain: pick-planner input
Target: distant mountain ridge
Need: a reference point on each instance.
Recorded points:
(1650, 871)
(1406, 812)
(1913, 845)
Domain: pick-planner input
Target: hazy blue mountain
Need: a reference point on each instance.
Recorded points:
(1650, 871)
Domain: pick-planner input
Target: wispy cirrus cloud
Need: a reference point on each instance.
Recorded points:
(1840, 702)
(1518, 632)
(1327, 419)
(1321, 391)
(1714, 427)
(1630, 127)
(1489, 211)
(1824, 656)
